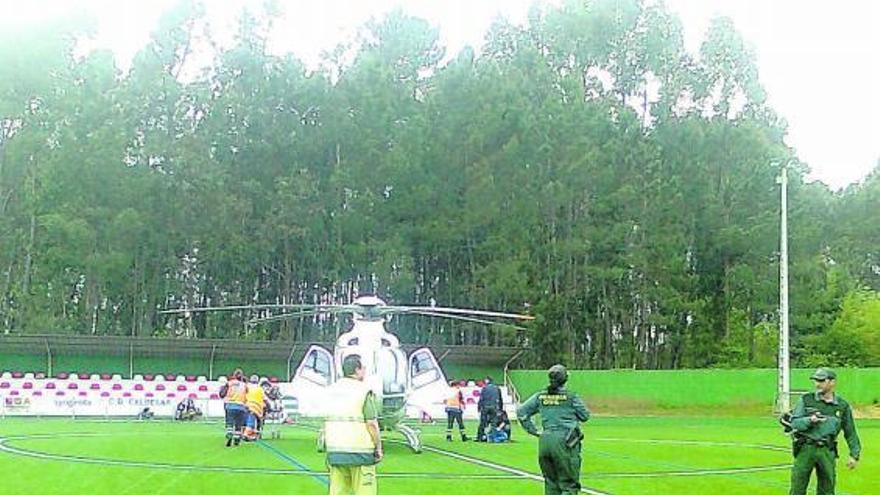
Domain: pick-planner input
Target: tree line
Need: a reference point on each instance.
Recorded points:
(584, 168)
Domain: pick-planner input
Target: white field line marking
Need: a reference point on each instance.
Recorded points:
(499, 467)
(707, 443)
(222, 469)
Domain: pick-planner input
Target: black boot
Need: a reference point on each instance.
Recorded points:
(449, 437)
(464, 438)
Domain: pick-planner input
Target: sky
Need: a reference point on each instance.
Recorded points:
(818, 60)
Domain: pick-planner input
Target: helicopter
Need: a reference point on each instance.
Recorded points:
(398, 381)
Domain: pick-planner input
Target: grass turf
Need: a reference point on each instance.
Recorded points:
(622, 456)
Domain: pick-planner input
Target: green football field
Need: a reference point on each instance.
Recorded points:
(622, 456)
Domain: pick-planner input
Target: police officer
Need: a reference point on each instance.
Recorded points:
(489, 404)
(559, 451)
(351, 432)
(816, 420)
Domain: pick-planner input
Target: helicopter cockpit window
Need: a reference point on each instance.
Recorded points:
(317, 368)
(423, 369)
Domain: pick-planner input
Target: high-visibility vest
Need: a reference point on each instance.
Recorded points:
(236, 392)
(345, 429)
(255, 402)
(455, 400)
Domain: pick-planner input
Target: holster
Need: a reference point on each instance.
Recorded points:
(574, 437)
(797, 444)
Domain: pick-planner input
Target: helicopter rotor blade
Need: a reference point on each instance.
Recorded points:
(463, 318)
(301, 314)
(206, 309)
(463, 311)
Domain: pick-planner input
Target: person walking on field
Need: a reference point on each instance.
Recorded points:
(817, 419)
(559, 447)
(234, 394)
(351, 432)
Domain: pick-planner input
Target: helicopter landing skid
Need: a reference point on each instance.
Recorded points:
(412, 438)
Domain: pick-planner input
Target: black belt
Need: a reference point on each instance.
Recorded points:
(818, 443)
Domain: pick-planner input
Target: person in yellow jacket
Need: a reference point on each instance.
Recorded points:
(234, 394)
(351, 432)
(255, 405)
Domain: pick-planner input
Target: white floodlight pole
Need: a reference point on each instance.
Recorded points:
(784, 378)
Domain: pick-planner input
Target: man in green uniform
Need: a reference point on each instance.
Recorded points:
(559, 448)
(816, 421)
(351, 432)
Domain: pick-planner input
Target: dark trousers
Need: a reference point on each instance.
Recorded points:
(810, 457)
(454, 416)
(235, 418)
(560, 464)
(487, 416)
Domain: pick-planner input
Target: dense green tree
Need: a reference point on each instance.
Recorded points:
(584, 168)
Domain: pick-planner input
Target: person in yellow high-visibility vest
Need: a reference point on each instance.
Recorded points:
(351, 432)
(255, 405)
(234, 393)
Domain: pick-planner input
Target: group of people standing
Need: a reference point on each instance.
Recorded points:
(494, 426)
(354, 446)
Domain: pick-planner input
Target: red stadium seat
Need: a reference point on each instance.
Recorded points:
(50, 386)
(149, 378)
(117, 386)
(72, 386)
(105, 376)
(169, 377)
(105, 394)
(203, 388)
(40, 375)
(5, 385)
(181, 388)
(170, 395)
(138, 386)
(160, 387)
(17, 374)
(214, 396)
(273, 379)
(190, 378)
(62, 376)
(126, 394)
(83, 376)
(192, 396)
(13, 392)
(27, 385)
(148, 394)
(95, 386)
(37, 393)
(60, 393)
(83, 393)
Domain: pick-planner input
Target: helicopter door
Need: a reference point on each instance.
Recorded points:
(314, 374)
(427, 385)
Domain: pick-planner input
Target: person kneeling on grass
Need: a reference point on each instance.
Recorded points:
(499, 431)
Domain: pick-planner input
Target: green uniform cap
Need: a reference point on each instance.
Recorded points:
(823, 374)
